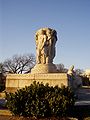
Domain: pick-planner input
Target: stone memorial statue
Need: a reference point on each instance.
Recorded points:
(45, 39)
(45, 45)
(75, 81)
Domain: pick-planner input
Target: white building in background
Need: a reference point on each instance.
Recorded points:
(87, 73)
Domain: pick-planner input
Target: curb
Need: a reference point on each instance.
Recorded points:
(5, 112)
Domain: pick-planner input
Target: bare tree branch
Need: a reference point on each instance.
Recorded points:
(61, 68)
(19, 64)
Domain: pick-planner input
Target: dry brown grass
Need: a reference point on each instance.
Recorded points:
(3, 117)
(5, 112)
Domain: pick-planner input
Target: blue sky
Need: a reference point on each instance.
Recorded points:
(20, 19)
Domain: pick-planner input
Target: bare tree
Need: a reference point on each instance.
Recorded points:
(19, 64)
(61, 68)
(2, 68)
(79, 71)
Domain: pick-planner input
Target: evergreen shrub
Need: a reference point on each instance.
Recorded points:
(39, 100)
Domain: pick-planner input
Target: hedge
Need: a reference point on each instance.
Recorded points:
(39, 100)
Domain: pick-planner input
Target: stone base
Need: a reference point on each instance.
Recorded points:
(44, 68)
(17, 81)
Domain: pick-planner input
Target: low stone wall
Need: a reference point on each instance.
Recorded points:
(17, 81)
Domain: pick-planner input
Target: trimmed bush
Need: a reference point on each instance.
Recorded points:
(39, 100)
(85, 81)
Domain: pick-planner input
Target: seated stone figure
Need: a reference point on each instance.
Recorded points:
(75, 81)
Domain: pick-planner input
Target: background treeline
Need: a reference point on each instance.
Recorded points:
(22, 64)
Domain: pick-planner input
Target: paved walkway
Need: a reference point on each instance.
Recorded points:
(83, 96)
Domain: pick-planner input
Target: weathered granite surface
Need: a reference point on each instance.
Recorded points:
(45, 39)
(17, 81)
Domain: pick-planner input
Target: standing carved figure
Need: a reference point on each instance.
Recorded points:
(45, 45)
(40, 41)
